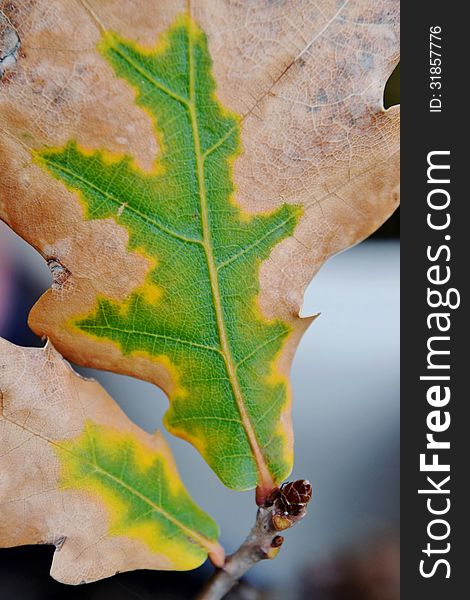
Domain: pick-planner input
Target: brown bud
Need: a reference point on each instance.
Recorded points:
(297, 492)
(293, 497)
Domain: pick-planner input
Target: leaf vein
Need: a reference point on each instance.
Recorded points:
(151, 334)
(128, 207)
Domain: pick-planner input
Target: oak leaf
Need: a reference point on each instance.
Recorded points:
(186, 168)
(76, 473)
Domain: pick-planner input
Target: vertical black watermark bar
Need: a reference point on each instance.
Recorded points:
(435, 271)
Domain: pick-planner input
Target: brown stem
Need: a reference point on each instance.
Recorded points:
(282, 509)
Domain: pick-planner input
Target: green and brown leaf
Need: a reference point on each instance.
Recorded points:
(76, 473)
(186, 168)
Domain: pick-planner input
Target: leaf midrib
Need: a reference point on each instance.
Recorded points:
(265, 479)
